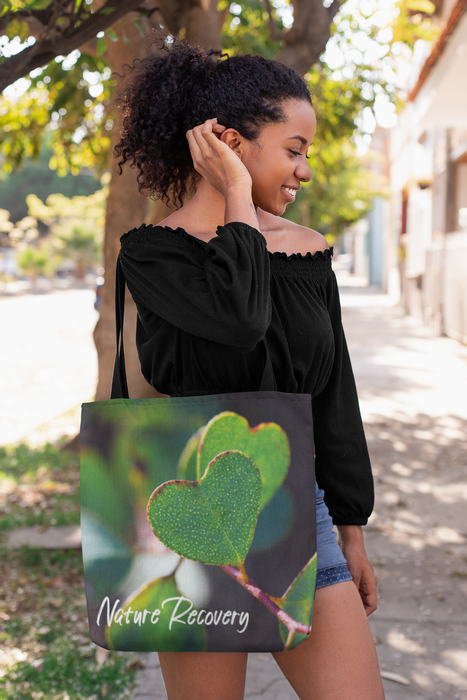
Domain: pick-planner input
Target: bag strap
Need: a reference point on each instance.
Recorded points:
(119, 380)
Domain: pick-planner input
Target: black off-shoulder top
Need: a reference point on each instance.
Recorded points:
(206, 308)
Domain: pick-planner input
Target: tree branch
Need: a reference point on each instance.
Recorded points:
(333, 9)
(273, 31)
(48, 45)
(307, 38)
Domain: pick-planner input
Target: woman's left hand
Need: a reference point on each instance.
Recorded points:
(362, 574)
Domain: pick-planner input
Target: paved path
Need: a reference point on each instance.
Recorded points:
(48, 359)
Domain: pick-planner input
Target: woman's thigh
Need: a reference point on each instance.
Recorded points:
(338, 661)
(204, 675)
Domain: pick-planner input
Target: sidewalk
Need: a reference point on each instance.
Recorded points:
(412, 393)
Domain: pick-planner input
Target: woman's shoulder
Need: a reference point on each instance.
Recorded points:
(289, 237)
(308, 239)
(160, 237)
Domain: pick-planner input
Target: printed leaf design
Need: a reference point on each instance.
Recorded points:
(187, 464)
(267, 445)
(107, 558)
(274, 521)
(156, 632)
(298, 601)
(105, 496)
(213, 520)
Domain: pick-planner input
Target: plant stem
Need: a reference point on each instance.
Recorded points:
(292, 625)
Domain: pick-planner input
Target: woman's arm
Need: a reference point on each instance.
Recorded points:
(353, 547)
(223, 169)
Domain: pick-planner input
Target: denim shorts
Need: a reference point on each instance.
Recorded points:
(331, 563)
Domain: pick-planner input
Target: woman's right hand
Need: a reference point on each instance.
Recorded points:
(214, 160)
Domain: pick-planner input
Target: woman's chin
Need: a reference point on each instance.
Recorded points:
(275, 208)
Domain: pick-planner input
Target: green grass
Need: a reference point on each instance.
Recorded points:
(44, 637)
(46, 651)
(39, 486)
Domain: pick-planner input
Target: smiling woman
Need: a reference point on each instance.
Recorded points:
(217, 282)
(179, 89)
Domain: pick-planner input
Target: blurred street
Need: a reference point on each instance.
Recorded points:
(49, 362)
(412, 393)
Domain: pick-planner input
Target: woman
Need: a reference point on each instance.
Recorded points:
(239, 129)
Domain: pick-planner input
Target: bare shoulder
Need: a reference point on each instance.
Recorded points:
(311, 240)
(289, 237)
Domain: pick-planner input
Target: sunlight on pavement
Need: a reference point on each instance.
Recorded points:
(50, 358)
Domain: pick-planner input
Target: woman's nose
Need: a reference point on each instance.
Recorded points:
(303, 172)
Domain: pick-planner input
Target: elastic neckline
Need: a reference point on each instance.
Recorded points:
(193, 240)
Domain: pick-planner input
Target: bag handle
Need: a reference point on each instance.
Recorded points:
(119, 380)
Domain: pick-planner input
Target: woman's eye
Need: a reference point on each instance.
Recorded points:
(297, 153)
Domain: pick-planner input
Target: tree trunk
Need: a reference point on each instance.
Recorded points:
(307, 38)
(204, 24)
(125, 209)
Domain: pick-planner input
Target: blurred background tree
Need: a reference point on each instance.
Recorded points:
(36, 261)
(75, 225)
(348, 55)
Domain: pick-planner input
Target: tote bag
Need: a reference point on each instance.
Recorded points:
(198, 517)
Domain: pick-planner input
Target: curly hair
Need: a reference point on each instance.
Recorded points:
(179, 89)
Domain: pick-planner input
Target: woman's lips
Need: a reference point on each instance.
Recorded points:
(289, 196)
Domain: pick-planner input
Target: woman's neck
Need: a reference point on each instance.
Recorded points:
(205, 211)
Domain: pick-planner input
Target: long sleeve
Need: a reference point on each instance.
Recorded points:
(342, 464)
(219, 290)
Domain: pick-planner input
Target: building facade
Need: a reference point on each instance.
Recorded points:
(428, 181)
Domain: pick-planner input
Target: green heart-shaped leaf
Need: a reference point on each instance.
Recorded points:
(267, 445)
(166, 626)
(213, 520)
(187, 464)
(298, 601)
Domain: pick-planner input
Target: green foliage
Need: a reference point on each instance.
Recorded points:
(14, 5)
(77, 241)
(44, 616)
(36, 177)
(41, 486)
(298, 603)
(246, 32)
(58, 208)
(414, 21)
(17, 28)
(266, 444)
(61, 99)
(76, 225)
(83, 679)
(163, 597)
(34, 261)
(212, 520)
(11, 234)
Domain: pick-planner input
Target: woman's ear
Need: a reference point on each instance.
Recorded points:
(233, 140)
